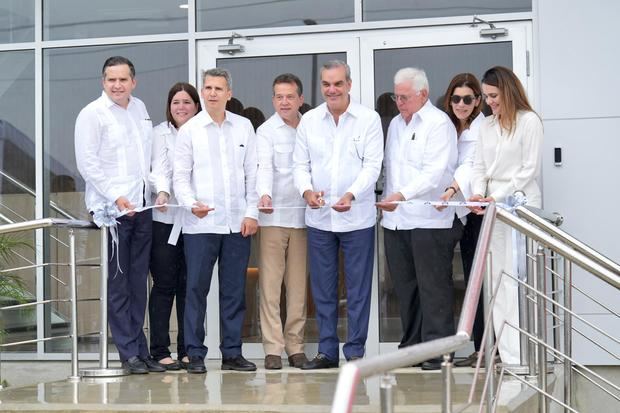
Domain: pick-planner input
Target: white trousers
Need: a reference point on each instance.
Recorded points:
(506, 308)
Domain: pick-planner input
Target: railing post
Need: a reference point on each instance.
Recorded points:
(73, 301)
(553, 257)
(541, 327)
(103, 275)
(489, 342)
(446, 378)
(524, 305)
(568, 333)
(531, 315)
(386, 393)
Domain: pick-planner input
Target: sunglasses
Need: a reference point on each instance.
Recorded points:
(468, 100)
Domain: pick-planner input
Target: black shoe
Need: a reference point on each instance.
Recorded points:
(470, 361)
(174, 366)
(153, 365)
(238, 363)
(135, 365)
(182, 363)
(432, 364)
(320, 362)
(196, 365)
(353, 358)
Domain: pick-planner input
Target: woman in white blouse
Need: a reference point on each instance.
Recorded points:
(507, 160)
(167, 261)
(462, 102)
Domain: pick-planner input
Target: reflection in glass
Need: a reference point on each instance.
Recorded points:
(76, 72)
(441, 63)
(252, 79)
(70, 19)
(17, 184)
(241, 14)
(16, 21)
(375, 10)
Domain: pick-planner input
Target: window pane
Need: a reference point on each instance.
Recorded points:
(440, 63)
(241, 14)
(16, 21)
(17, 181)
(76, 73)
(374, 10)
(70, 19)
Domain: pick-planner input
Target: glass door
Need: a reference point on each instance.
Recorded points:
(443, 52)
(253, 71)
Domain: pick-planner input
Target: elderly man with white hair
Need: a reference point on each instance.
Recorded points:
(420, 158)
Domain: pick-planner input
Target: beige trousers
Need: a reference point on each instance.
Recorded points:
(282, 260)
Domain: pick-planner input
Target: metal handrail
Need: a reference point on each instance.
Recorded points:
(70, 224)
(597, 257)
(542, 229)
(584, 260)
(29, 191)
(350, 373)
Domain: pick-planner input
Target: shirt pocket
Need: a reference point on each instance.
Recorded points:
(283, 155)
(414, 152)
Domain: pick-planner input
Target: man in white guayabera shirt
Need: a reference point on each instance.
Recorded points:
(420, 158)
(338, 154)
(215, 174)
(113, 137)
(282, 231)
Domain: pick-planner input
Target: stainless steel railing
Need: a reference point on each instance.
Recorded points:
(541, 235)
(70, 225)
(351, 373)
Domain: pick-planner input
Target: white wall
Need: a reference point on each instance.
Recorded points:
(578, 65)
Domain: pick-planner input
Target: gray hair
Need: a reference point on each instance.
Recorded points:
(332, 64)
(416, 77)
(218, 72)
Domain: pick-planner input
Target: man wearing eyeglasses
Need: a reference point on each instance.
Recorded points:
(215, 175)
(420, 158)
(338, 154)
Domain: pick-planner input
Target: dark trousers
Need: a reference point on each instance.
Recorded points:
(127, 289)
(201, 253)
(420, 264)
(169, 278)
(358, 250)
(468, 249)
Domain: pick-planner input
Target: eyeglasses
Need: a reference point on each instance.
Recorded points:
(468, 100)
(402, 98)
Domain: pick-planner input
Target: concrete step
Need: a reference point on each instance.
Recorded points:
(286, 390)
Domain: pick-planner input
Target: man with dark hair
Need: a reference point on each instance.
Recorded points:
(282, 231)
(113, 154)
(338, 153)
(215, 175)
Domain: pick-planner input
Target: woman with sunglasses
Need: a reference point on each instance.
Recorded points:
(507, 160)
(167, 261)
(462, 104)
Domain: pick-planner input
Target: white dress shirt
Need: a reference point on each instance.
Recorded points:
(113, 151)
(505, 163)
(216, 165)
(338, 159)
(420, 159)
(275, 145)
(466, 148)
(164, 138)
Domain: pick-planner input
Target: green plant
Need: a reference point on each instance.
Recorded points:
(12, 287)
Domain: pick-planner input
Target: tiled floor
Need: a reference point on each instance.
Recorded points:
(286, 390)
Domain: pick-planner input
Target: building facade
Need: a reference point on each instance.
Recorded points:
(51, 52)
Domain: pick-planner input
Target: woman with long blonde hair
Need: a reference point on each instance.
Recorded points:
(507, 161)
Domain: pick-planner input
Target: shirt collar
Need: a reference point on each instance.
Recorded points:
(207, 119)
(353, 109)
(279, 122)
(420, 114)
(110, 103)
